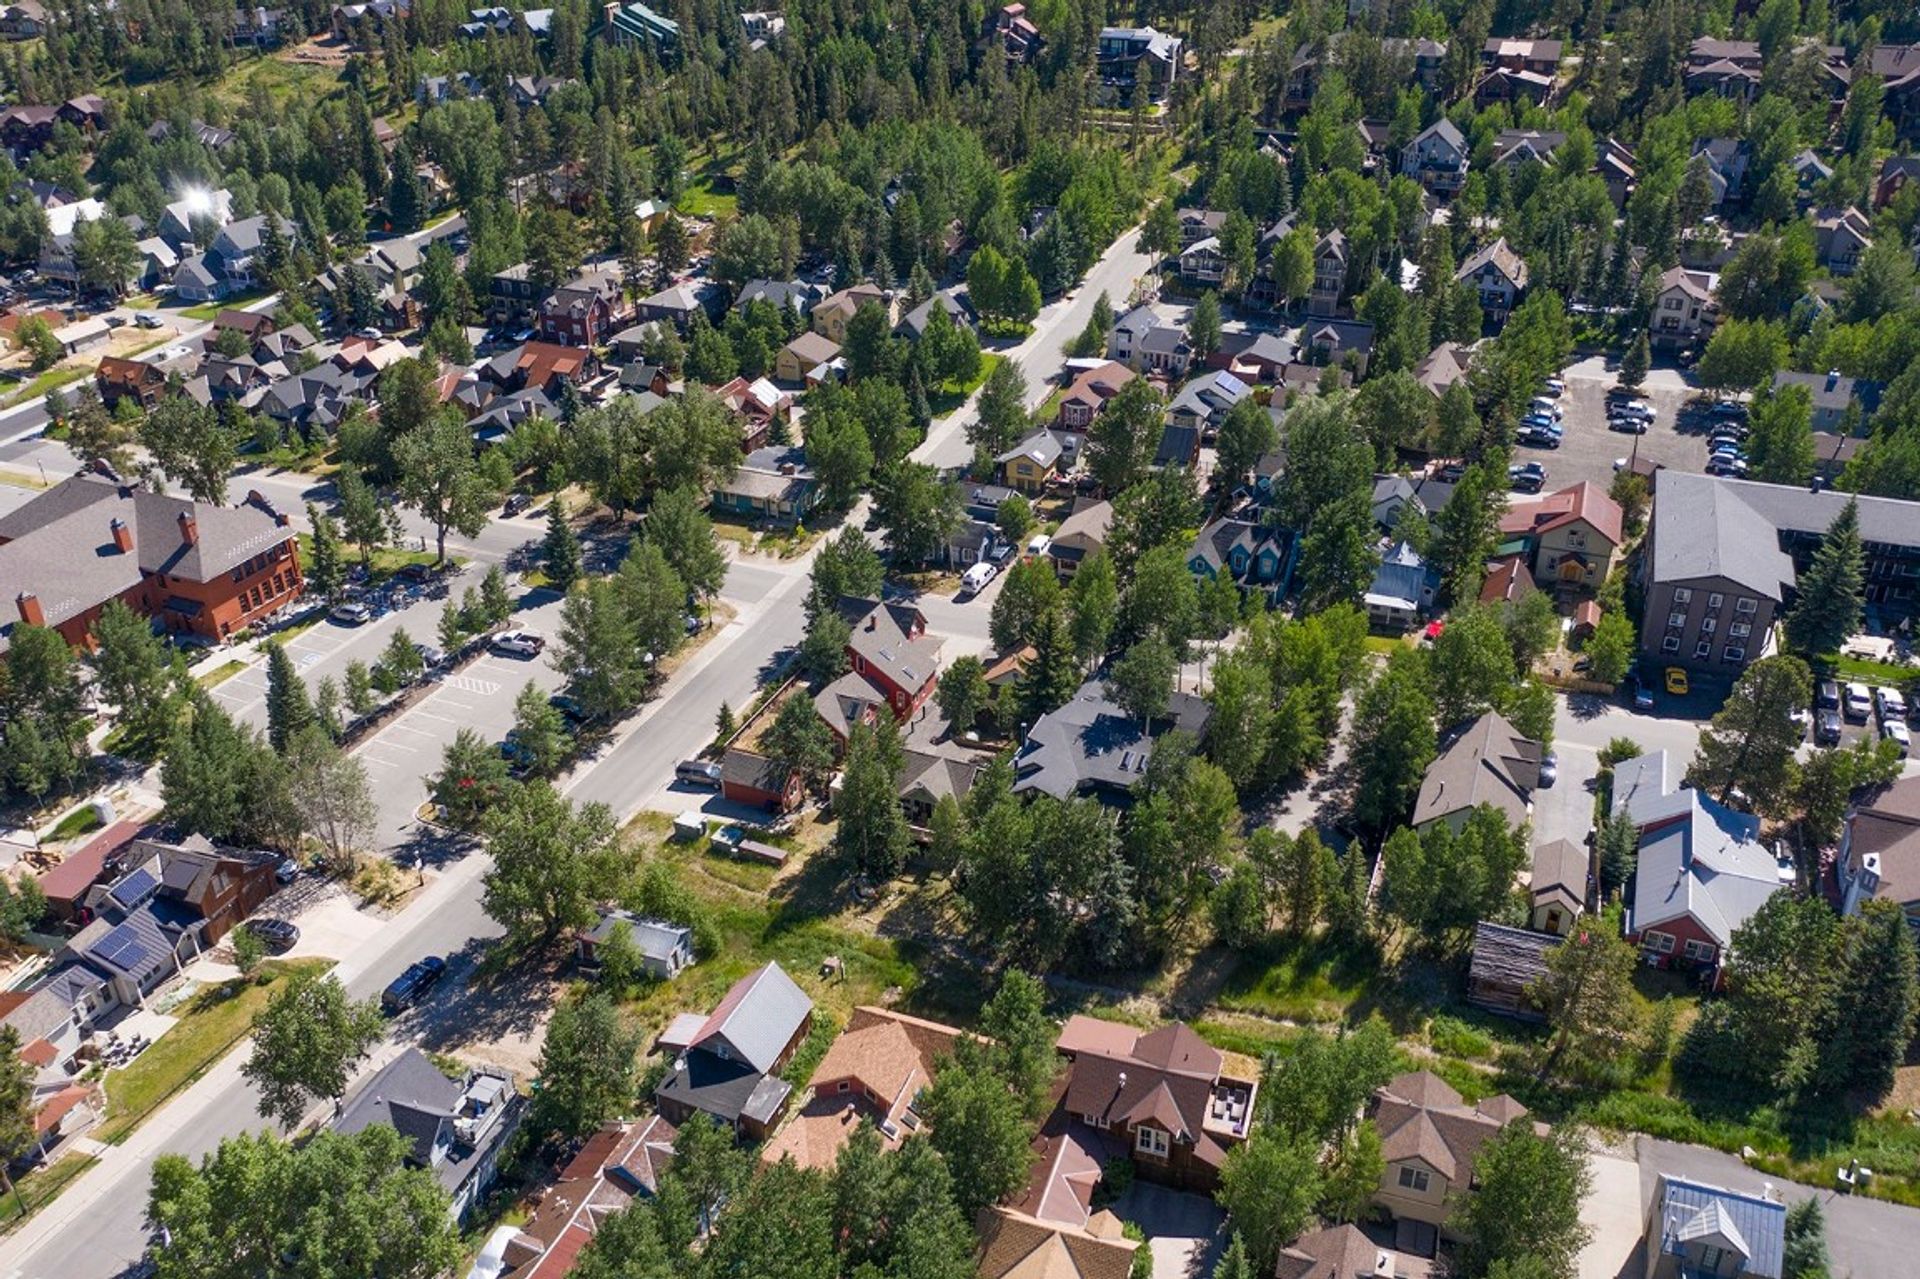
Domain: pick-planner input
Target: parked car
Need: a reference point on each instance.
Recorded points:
(1890, 704)
(518, 643)
(1638, 693)
(1859, 702)
(1554, 386)
(287, 871)
(1545, 404)
(1826, 696)
(351, 613)
(1537, 438)
(1627, 425)
(432, 656)
(569, 706)
(414, 574)
(1895, 730)
(411, 986)
(976, 578)
(1731, 409)
(1730, 467)
(515, 503)
(1549, 769)
(1526, 477)
(698, 772)
(1633, 408)
(1826, 728)
(1037, 545)
(278, 934)
(1677, 681)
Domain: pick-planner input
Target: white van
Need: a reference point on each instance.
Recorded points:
(975, 579)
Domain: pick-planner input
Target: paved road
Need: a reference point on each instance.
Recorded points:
(1583, 726)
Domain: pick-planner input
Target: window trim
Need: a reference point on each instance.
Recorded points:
(1148, 1140)
(1417, 1180)
(1655, 940)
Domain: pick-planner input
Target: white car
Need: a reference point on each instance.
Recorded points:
(1892, 705)
(1894, 730)
(1554, 386)
(1037, 545)
(1858, 702)
(518, 643)
(975, 579)
(1544, 404)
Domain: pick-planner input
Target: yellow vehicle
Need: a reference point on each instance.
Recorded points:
(1676, 681)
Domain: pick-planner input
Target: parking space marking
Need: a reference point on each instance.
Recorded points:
(469, 684)
(388, 763)
(449, 702)
(408, 728)
(444, 719)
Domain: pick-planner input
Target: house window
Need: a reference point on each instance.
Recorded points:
(1671, 644)
(1703, 650)
(1700, 950)
(1150, 1141)
(1745, 604)
(1682, 595)
(1711, 1256)
(1415, 1179)
(1662, 942)
(1707, 625)
(1676, 620)
(843, 1086)
(1714, 601)
(1098, 1121)
(1734, 653)
(1739, 630)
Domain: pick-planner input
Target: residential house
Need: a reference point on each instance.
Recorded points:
(1539, 56)
(1727, 68)
(773, 484)
(513, 296)
(195, 568)
(1898, 66)
(1840, 236)
(677, 303)
(1147, 341)
(1031, 463)
(1569, 537)
(1504, 965)
(750, 778)
(586, 310)
(927, 778)
(1430, 1138)
(726, 1064)
(65, 886)
(875, 1072)
(1702, 870)
(1138, 60)
(1014, 1245)
(800, 359)
(1518, 70)
(1336, 1252)
(1256, 555)
(797, 296)
(540, 366)
(1088, 394)
(119, 379)
(23, 20)
(665, 949)
(83, 335)
(1268, 357)
(1427, 58)
(1726, 161)
(1091, 746)
(1011, 29)
(1441, 367)
(1165, 1094)
(913, 325)
(1437, 158)
(620, 1162)
(1082, 534)
(1330, 264)
(1393, 496)
(1841, 405)
(1880, 850)
(200, 883)
(457, 1128)
(1484, 761)
(1179, 446)
(831, 317)
(893, 663)
(1684, 310)
(1403, 589)
(1618, 170)
(1896, 171)
(1558, 886)
(1701, 1231)
(1346, 343)
(1516, 149)
(1199, 224)
(1204, 402)
(757, 404)
(226, 268)
(1499, 275)
(638, 24)
(1202, 264)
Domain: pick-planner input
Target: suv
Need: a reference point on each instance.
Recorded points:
(409, 987)
(1859, 702)
(519, 643)
(1826, 696)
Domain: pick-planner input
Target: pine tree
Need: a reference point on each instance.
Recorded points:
(289, 713)
(325, 569)
(723, 724)
(1637, 360)
(560, 551)
(1833, 590)
(1054, 673)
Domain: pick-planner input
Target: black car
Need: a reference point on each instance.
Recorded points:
(516, 503)
(276, 933)
(409, 987)
(1826, 728)
(1827, 696)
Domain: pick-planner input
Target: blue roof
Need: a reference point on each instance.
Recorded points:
(1757, 1227)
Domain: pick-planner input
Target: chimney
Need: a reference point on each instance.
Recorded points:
(30, 611)
(1833, 378)
(122, 536)
(189, 529)
(872, 623)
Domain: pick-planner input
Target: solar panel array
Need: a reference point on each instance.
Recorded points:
(123, 949)
(135, 888)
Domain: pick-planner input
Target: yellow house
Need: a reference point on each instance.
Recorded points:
(1429, 1139)
(1028, 465)
(802, 355)
(836, 310)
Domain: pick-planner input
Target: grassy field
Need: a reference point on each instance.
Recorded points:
(39, 1188)
(211, 1022)
(951, 395)
(212, 309)
(710, 195)
(58, 376)
(77, 823)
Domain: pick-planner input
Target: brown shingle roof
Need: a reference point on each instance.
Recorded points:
(1420, 1117)
(1015, 1246)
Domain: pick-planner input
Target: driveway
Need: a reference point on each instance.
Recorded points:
(1184, 1231)
(1613, 1213)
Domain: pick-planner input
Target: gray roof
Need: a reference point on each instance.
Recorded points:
(1209, 396)
(1404, 576)
(1091, 744)
(52, 1001)
(1486, 762)
(1831, 391)
(1043, 446)
(1707, 865)
(757, 1018)
(655, 938)
(408, 1094)
(1753, 1227)
(1705, 527)
(914, 322)
(795, 295)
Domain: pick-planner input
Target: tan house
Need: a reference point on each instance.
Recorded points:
(1028, 465)
(1558, 888)
(1485, 761)
(1429, 1138)
(836, 310)
(798, 358)
(1683, 308)
(1082, 401)
(1016, 1246)
(1571, 535)
(1081, 535)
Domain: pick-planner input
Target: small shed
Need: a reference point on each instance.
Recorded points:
(1505, 962)
(689, 827)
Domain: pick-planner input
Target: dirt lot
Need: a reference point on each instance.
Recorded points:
(1589, 449)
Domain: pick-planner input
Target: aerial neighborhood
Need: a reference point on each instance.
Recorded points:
(1051, 640)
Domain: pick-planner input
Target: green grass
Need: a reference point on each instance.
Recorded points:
(382, 564)
(212, 1022)
(221, 674)
(1313, 980)
(1861, 668)
(54, 378)
(213, 309)
(41, 1187)
(951, 395)
(710, 195)
(1385, 645)
(77, 823)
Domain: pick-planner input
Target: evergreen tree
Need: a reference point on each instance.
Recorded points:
(872, 835)
(1833, 590)
(1053, 674)
(560, 549)
(1203, 326)
(289, 712)
(325, 571)
(1636, 362)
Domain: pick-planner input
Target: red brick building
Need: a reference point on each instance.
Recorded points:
(196, 568)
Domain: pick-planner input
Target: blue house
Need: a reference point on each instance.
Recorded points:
(1402, 590)
(1258, 557)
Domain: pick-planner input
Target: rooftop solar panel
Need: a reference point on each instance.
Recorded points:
(135, 888)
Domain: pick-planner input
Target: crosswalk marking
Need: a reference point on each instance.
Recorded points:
(471, 684)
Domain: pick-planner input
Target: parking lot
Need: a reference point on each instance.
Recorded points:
(1589, 450)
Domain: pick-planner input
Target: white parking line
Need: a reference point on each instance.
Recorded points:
(408, 728)
(444, 719)
(448, 701)
(468, 684)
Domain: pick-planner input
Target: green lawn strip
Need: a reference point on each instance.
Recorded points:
(41, 1187)
(51, 379)
(78, 822)
(211, 1023)
(211, 310)
(949, 396)
(222, 673)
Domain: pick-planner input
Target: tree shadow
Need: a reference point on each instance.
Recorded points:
(487, 1000)
(432, 847)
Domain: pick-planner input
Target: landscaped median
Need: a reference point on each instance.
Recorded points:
(211, 1022)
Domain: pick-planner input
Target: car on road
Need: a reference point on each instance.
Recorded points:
(1638, 693)
(1859, 702)
(1549, 769)
(411, 986)
(278, 934)
(518, 643)
(1826, 728)
(515, 503)
(1895, 730)
(1677, 681)
(698, 772)
(351, 613)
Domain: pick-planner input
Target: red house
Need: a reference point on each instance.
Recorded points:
(895, 664)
